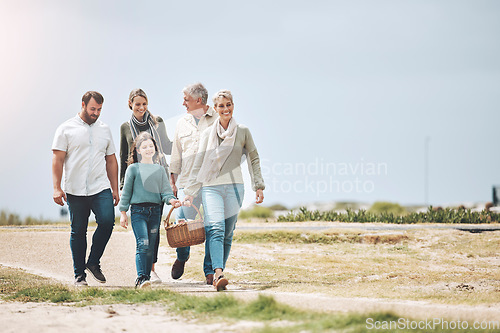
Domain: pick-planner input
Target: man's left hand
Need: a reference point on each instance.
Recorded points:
(116, 198)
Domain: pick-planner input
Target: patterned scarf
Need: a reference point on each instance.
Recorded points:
(148, 125)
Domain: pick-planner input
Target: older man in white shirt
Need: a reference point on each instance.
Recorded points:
(185, 145)
(83, 147)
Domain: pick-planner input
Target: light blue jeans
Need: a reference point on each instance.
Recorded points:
(222, 204)
(145, 224)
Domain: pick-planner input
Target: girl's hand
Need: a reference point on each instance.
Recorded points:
(176, 203)
(124, 220)
(188, 200)
(259, 196)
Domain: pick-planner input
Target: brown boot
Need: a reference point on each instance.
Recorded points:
(178, 269)
(210, 279)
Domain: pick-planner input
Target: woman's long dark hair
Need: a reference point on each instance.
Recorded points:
(133, 156)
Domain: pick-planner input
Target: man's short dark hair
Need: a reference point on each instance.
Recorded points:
(92, 94)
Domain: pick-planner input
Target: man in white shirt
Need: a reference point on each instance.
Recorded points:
(184, 147)
(83, 147)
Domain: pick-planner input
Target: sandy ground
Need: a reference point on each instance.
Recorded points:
(47, 253)
(35, 317)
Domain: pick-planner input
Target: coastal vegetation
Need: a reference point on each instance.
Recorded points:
(8, 218)
(442, 215)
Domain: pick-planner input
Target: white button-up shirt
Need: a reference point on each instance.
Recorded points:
(86, 147)
(186, 142)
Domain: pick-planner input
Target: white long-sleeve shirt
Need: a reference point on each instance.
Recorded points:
(186, 142)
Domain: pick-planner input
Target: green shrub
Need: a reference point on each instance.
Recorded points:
(256, 212)
(278, 206)
(447, 215)
(344, 205)
(7, 218)
(387, 207)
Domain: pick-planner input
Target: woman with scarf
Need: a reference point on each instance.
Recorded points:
(217, 173)
(143, 121)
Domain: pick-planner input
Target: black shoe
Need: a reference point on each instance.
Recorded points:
(80, 281)
(178, 269)
(138, 282)
(95, 271)
(142, 282)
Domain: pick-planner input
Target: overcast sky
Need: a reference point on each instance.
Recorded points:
(339, 95)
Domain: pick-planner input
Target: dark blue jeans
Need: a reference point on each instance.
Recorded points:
(145, 224)
(186, 213)
(157, 245)
(101, 204)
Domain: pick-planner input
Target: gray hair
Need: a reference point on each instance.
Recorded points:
(224, 93)
(197, 90)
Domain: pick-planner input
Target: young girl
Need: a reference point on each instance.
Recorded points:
(141, 120)
(146, 188)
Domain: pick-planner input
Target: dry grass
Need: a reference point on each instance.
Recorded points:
(444, 266)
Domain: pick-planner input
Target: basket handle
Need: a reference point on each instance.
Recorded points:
(166, 222)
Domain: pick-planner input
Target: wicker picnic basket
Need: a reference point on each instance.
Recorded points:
(186, 233)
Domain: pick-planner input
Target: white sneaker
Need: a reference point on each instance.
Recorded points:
(155, 278)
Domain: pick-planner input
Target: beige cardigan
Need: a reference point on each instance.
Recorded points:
(231, 170)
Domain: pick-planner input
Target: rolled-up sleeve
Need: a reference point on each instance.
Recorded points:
(110, 149)
(60, 141)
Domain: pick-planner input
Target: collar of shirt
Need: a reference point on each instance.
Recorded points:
(210, 112)
(190, 118)
(82, 122)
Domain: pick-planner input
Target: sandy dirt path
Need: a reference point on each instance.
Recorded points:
(47, 253)
(48, 318)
